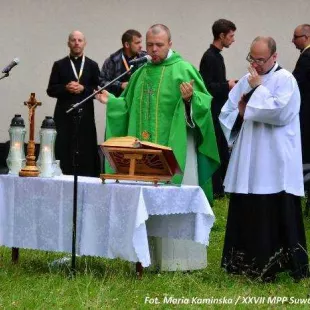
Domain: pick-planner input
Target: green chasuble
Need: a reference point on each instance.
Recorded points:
(151, 108)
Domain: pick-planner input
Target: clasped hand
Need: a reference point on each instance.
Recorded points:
(74, 87)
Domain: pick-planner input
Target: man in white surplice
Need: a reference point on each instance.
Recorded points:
(260, 121)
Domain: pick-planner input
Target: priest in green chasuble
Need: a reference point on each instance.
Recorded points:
(167, 103)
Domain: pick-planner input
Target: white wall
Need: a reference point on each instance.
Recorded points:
(36, 32)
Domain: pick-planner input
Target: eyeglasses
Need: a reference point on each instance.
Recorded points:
(297, 37)
(259, 62)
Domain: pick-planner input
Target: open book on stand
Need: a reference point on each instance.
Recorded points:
(136, 160)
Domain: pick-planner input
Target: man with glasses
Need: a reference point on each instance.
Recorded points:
(260, 120)
(301, 39)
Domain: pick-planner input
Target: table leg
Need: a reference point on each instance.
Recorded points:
(15, 255)
(139, 270)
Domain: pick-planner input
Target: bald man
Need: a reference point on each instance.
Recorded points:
(72, 79)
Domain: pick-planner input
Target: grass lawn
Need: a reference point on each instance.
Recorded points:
(111, 284)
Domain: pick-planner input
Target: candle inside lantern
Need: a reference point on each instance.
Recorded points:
(47, 137)
(46, 154)
(16, 156)
(46, 165)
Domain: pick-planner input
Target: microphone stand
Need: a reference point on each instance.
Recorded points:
(77, 118)
(4, 75)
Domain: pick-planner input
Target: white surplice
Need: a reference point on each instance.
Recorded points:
(266, 151)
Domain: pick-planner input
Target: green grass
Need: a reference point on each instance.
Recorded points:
(111, 284)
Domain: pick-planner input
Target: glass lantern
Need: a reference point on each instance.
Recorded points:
(46, 161)
(16, 159)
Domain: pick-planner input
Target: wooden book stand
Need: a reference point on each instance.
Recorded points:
(139, 160)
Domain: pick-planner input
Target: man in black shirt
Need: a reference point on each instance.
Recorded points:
(72, 79)
(213, 72)
(301, 40)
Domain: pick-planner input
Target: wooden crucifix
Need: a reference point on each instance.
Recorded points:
(31, 170)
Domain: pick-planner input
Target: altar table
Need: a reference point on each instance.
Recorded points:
(114, 220)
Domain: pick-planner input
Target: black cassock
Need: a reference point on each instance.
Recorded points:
(264, 236)
(302, 75)
(62, 74)
(213, 72)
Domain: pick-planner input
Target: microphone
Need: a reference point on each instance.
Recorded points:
(140, 60)
(12, 64)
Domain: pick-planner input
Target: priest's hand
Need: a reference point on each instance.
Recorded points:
(71, 87)
(187, 90)
(254, 78)
(79, 88)
(124, 85)
(103, 97)
(241, 106)
(74, 87)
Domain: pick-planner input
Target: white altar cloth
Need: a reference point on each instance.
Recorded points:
(114, 219)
